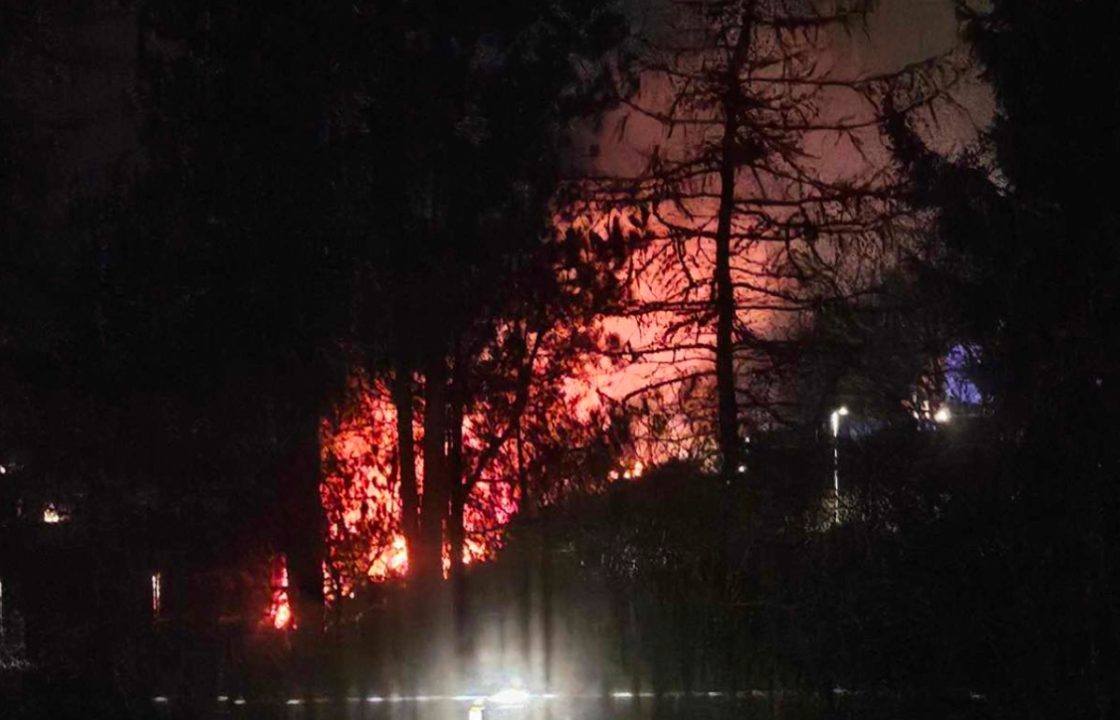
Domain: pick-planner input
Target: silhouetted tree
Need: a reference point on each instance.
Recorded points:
(742, 228)
(459, 284)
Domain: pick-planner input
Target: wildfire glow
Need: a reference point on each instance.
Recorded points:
(361, 496)
(280, 607)
(631, 472)
(391, 563)
(570, 407)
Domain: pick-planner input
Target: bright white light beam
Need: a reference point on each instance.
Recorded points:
(510, 696)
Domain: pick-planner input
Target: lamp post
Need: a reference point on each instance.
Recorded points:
(834, 419)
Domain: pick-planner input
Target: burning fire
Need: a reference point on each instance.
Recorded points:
(360, 493)
(280, 608)
(360, 490)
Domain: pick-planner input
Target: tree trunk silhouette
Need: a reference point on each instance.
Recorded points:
(724, 288)
(303, 528)
(728, 412)
(406, 455)
(428, 560)
(456, 532)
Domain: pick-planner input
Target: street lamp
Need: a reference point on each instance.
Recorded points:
(838, 413)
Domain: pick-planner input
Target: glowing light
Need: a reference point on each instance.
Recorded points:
(631, 472)
(958, 363)
(53, 515)
(943, 415)
(280, 609)
(475, 712)
(157, 593)
(283, 616)
(835, 420)
(361, 493)
(838, 413)
(510, 696)
(390, 563)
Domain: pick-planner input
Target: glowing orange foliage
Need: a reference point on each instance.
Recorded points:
(360, 493)
(535, 425)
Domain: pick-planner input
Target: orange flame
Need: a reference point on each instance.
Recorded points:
(280, 608)
(361, 498)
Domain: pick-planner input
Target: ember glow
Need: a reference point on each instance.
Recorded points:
(280, 607)
(360, 489)
(361, 498)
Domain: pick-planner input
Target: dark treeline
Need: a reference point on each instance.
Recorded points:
(282, 197)
(975, 570)
(301, 191)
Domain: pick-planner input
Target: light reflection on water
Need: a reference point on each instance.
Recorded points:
(617, 706)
